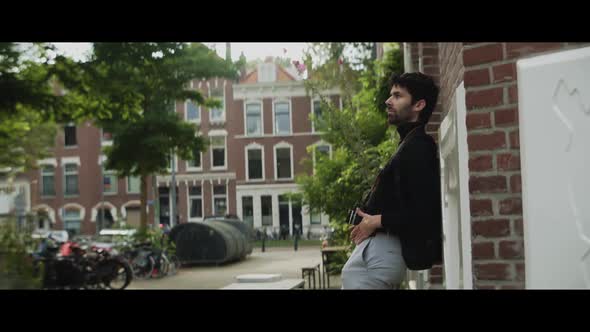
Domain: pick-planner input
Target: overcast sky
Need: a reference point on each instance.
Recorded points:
(251, 50)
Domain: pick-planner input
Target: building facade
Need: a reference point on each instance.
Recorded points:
(258, 140)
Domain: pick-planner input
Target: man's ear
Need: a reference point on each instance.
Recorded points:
(419, 105)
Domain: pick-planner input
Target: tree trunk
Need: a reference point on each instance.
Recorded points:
(143, 203)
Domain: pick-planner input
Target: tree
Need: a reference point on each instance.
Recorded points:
(31, 102)
(359, 134)
(134, 87)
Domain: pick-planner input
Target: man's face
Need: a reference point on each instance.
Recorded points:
(399, 106)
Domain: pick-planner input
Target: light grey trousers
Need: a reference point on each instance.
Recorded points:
(376, 263)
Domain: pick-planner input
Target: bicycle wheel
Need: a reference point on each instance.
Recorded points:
(120, 276)
(143, 266)
(162, 267)
(174, 265)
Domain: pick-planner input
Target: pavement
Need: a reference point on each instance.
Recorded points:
(284, 261)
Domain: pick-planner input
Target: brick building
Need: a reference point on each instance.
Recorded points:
(258, 137)
(486, 75)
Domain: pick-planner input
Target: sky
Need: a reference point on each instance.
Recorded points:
(252, 51)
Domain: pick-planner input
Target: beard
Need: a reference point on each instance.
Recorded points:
(400, 116)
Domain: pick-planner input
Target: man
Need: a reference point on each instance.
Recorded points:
(401, 223)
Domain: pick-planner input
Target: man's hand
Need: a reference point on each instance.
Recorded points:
(366, 227)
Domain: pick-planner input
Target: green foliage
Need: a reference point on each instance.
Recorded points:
(155, 238)
(361, 139)
(24, 138)
(132, 88)
(32, 102)
(16, 266)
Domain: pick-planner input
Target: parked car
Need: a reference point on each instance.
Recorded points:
(108, 238)
(61, 236)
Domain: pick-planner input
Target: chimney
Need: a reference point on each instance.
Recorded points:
(228, 52)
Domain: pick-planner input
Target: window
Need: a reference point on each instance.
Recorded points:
(317, 114)
(106, 136)
(109, 181)
(219, 200)
(48, 181)
(248, 210)
(195, 202)
(255, 165)
(70, 135)
(133, 184)
(315, 216)
(218, 151)
(253, 119)
(196, 162)
(282, 118)
(266, 209)
(72, 222)
(218, 114)
(193, 112)
(283, 163)
(71, 179)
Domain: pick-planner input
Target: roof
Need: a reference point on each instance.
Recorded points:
(282, 76)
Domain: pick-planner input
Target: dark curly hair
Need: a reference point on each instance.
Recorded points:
(419, 86)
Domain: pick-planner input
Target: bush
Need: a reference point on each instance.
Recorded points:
(16, 265)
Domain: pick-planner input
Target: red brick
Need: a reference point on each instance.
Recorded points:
(480, 163)
(514, 140)
(435, 117)
(478, 120)
(511, 249)
(515, 184)
(432, 127)
(518, 227)
(507, 162)
(520, 272)
(484, 250)
(484, 98)
(506, 117)
(482, 54)
(428, 60)
(513, 94)
(436, 270)
(496, 140)
(491, 228)
(517, 50)
(481, 207)
(486, 287)
(487, 184)
(430, 51)
(510, 287)
(435, 280)
(511, 206)
(477, 77)
(432, 70)
(492, 271)
(504, 73)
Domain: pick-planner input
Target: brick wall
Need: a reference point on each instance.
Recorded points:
(494, 166)
(494, 160)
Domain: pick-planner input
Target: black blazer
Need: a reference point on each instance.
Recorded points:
(407, 195)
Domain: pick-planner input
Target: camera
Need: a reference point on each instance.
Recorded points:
(353, 218)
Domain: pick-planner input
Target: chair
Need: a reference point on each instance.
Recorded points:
(309, 272)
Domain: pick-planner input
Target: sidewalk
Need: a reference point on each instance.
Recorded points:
(284, 261)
